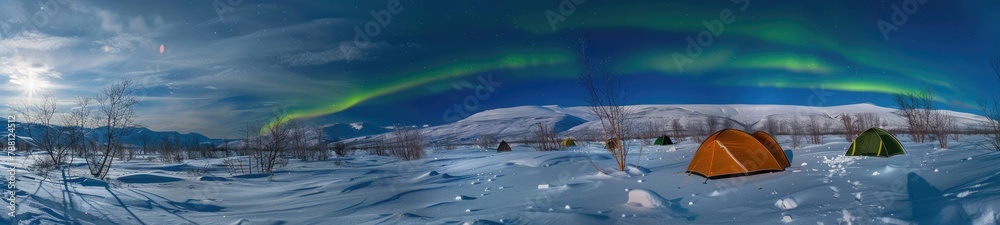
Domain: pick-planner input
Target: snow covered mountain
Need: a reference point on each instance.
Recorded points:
(516, 123)
(339, 131)
(133, 136)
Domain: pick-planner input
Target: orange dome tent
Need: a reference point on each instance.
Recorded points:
(734, 152)
(773, 147)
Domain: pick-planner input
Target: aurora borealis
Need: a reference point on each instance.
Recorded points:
(227, 62)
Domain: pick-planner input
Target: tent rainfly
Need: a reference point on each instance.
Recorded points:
(733, 152)
(663, 140)
(773, 147)
(568, 142)
(504, 147)
(875, 142)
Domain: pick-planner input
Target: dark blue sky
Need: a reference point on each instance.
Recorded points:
(229, 62)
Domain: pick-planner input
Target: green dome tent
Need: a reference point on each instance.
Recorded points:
(663, 140)
(875, 142)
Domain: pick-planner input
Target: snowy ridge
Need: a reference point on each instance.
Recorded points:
(516, 123)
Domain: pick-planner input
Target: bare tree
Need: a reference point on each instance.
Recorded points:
(712, 123)
(849, 129)
(340, 148)
(865, 121)
(115, 110)
(772, 126)
(406, 144)
(815, 129)
(696, 130)
(797, 131)
(991, 109)
(677, 128)
(488, 141)
(170, 149)
(916, 108)
(649, 131)
(545, 137)
(607, 100)
(940, 125)
(56, 135)
(275, 141)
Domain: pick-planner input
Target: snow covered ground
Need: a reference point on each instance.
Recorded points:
(475, 186)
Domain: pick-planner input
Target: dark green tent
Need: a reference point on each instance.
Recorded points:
(504, 147)
(875, 142)
(663, 140)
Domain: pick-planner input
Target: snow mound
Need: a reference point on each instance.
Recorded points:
(636, 170)
(463, 197)
(210, 178)
(147, 178)
(480, 222)
(87, 182)
(786, 219)
(786, 204)
(645, 198)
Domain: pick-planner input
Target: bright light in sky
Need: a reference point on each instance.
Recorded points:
(30, 84)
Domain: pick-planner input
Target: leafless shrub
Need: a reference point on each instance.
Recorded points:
(850, 131)
(816, 129)
(170, 150)
(340, 149)
(43, 165)
(406, 144)
(697, 130)
(940, 125)
(607, 100)
(712, 124)
(798, 131)
(545, 137)
(865, 121)
(917, 108)
(53, 132)
(115, 110)
(677, 128)
(991, 109)
(449, 143)
(992, 112)
(488, 141)
(772, 126)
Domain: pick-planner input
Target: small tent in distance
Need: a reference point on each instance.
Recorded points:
(732, 152)
(612, 143)
(568, 142)
(663, 140)
(504, 147)
(875, 142)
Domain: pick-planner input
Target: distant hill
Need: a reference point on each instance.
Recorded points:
(516, 123)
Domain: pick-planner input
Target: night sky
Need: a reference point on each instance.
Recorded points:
(228, 62)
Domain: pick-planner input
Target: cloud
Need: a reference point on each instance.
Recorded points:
(346, 51)
(34, 40)
(122, 43)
